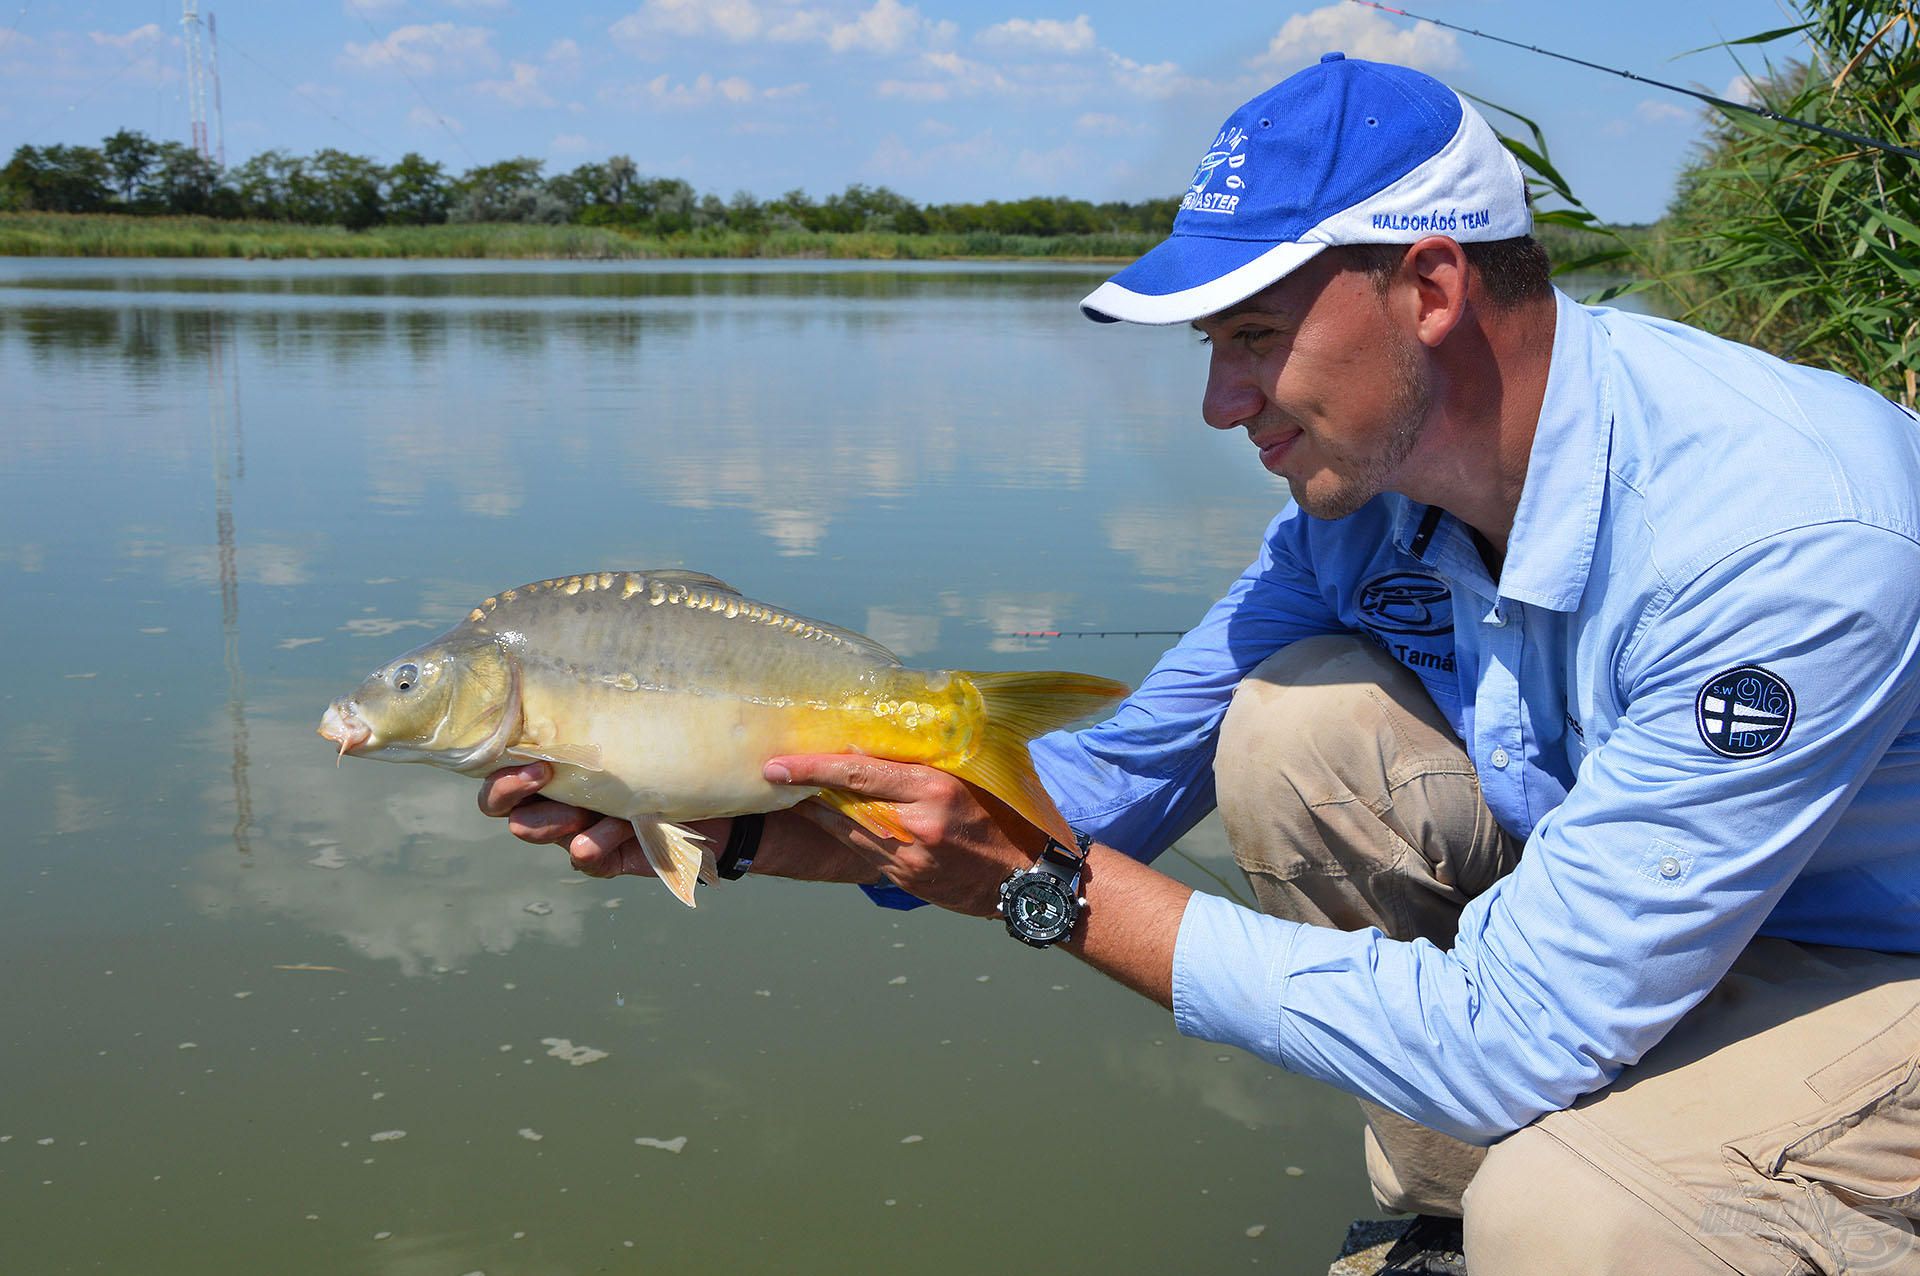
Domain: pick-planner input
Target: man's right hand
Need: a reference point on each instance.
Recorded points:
(791, 846)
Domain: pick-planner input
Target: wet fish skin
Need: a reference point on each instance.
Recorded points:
(657, 696)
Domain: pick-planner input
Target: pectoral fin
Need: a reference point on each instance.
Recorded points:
(679, 856)
(882, 819)
(585, 757)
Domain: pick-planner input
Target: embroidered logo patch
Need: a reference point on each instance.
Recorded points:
(1224, 151)
(1744, 712)
(1406, 603)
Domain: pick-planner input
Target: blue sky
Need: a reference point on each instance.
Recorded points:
(938, 99)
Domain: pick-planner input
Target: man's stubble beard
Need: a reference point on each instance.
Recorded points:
(1366, 476)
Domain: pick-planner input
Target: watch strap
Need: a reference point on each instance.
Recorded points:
(743, 843)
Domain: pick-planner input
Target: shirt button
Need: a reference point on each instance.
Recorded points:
(1669, 867)
(1497, 618)
(1500, 759)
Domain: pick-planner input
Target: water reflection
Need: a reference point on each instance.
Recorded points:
(398, 865)
(231, 490)
(228, 448)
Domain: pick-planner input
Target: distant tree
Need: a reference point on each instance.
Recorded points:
(663, 205)
(184, 181)
(493, 192)
(272, 185)
(56, 179)
(130, 157)
(417, 192)
(585, 187)
(794, 210)
(621, 175)
(746, 213)
(349, 187)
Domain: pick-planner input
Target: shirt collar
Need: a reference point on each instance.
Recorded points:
(1550, 550)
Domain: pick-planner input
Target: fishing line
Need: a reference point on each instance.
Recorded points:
(399, 64)
(1857, 139)
(1093, 633)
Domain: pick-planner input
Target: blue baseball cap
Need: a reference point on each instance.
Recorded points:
(1344, 152)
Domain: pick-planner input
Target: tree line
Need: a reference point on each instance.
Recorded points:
(132, 173)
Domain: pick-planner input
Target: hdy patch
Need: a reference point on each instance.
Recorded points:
(1744, 712)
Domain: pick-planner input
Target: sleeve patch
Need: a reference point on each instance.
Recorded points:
(1744, 712)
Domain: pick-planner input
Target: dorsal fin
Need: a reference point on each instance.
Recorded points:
(675, 576)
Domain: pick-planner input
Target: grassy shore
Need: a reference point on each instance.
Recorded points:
(115, 235)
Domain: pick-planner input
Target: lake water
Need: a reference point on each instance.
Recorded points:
(266, 1014)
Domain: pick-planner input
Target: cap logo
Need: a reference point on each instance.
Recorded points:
(1744, 712)
(1226, 152)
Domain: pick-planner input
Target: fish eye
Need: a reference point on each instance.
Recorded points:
(405, 676)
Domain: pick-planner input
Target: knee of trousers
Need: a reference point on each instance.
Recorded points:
(1536, 1205)
(1304, 727)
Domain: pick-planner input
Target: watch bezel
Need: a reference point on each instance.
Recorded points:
(1033, 882)
(1058, 870)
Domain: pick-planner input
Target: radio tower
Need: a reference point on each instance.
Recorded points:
(219, 114)
(196, 81)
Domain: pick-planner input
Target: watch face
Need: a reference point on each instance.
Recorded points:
(1041, 909)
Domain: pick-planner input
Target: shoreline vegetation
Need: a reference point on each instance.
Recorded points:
(132, 235)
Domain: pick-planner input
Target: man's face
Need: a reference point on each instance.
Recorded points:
(1332, 391)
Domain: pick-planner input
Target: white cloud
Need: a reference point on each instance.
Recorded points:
(886, 28)
(736, 20)
(569, 144)
(1102, 124)
(1046, 35)
(1657, 111)
(523, 89)
(1358, 33)
(702, 90)
(564, 53)
(137, 38)
(421, 117)
(1151, 80)
(427, 49)
(948, 75)
(1741, 89)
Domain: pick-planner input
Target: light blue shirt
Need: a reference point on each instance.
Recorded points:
(1693, 691)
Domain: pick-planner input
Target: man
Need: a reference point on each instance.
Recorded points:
(1566, 727)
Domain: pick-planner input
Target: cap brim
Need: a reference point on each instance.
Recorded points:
(1187, 277)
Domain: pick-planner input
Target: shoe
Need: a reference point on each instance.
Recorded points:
(1431, 1246)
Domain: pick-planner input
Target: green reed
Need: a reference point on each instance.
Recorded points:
(119, 235)
(1804, 244)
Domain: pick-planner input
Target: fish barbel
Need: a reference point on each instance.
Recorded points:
(657, 697)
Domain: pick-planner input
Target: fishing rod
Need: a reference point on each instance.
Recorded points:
(1765, 113)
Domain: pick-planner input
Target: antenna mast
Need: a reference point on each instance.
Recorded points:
(196, 77)
(219, 114)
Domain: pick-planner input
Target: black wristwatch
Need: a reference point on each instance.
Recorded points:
(1042, 903)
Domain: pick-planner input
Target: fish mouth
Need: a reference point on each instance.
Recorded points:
(343, 726)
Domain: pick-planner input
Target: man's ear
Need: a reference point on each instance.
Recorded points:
(1436, 267)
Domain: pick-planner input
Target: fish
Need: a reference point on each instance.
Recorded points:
(658, 695)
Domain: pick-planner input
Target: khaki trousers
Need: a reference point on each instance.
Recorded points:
(1776, 1129)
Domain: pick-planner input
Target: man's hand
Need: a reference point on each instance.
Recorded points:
(965, 841)
(602, 846)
